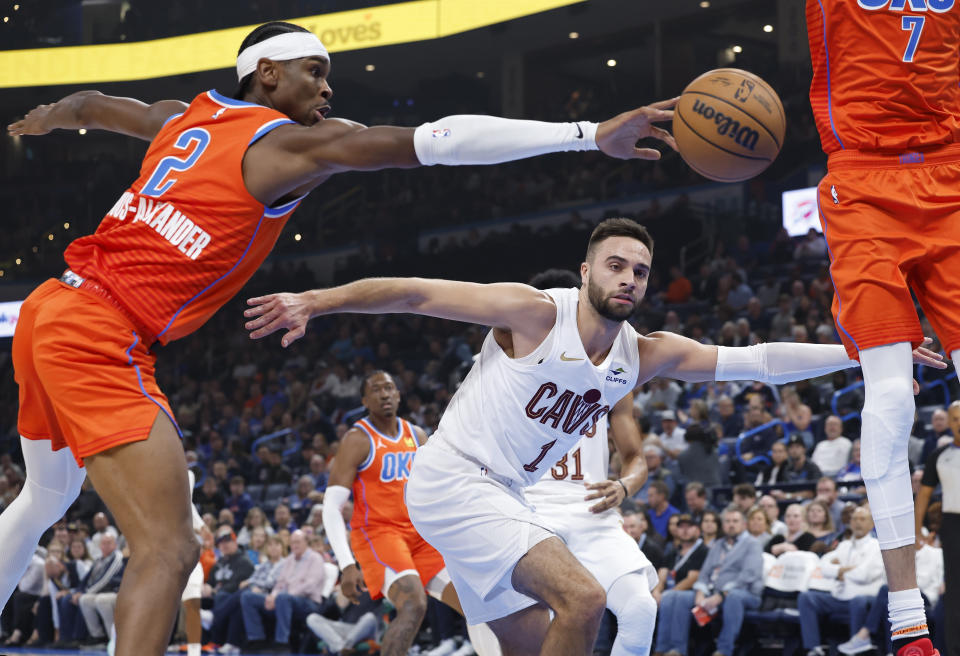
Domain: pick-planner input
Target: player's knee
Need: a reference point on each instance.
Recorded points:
(888, 413)
(635, 624)
(409, 597)
(586, 604)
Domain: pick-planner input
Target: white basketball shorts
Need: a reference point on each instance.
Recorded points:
(194, 589)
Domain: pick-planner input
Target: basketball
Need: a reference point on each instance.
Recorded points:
(729, 125)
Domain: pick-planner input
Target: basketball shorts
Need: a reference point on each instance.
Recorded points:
(86, 379)
(892, 225)
(598, 541)
(480, 525)
(194, 588)
(386, 553)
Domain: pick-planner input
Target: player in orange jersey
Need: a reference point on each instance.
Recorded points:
(392, 560)
(219, 180)
(887, 106)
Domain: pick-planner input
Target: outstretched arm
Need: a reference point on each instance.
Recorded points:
(95, 111)
(677, 357)
(520, 309)
(353, 452)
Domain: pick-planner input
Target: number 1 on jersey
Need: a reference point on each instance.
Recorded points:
(914, 25)
(532, 467)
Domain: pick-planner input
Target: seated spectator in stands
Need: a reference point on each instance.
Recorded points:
(698, 462)
(56, 584)
(680, 288)
(744, 497)
(301, 501)
(682, 571)
(25, 597)
(758, 525)
(930, 581)
(745, 335)
(757, 390)
(227, 628)
(851, 471)
(672, 323)
(357, 623)
(828, 493)
(638, 527)
(695, 494)
(653, 455)
(271, 469)
(939, 427)
(772, 510)
(283, 519)
(800, 469)
(761, 441)
(797, 538)
(662, 394)
(660, 509)
(239, 502)
(731, 578)
(833, 453)
(820, 526)
(730, 422)
(96, 597)
(809, 394)
(101, 527)
(220, 473)
(318, 472)
(673, 539)
(208, 498)
(298, 591)
(781, 323)
(856, 568)
(257, 546)
(709, 527)
(697, 413)
(776, 471)
(79, 561)
(797, 415)
(739, 294)
(757, 318)
(255, 519)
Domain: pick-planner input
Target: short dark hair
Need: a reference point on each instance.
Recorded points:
(660, 487)
(619, 227)
(378, 372)
(262, 33)
(554, 278)
(698, 487)
(745, 490)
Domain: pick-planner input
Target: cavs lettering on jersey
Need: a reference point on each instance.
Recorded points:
(517, 417)
(186, 236)
(378, 487)
(885, 73)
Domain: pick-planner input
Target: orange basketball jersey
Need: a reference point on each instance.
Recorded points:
(381, 478)
(885, 73)
(186, 236)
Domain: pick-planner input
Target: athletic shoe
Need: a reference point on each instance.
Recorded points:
(447, 647)
(818, 651)
(855, 645)
(206, 618)
(919, 647)
(466, 649)
(227, 648)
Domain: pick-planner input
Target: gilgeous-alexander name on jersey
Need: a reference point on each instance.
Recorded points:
(186, 235)
(885, 73)
(517, 417)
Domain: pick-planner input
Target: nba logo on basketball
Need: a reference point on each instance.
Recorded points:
(445, 132)
(744, 91)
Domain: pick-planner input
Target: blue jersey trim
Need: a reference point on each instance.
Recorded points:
(221, 99)
(387, 437)
(834, 282)
(170, 118)
(268, 126)
(826, 52)
(204, 290)
(373, 450)
(136, 368)
(286, 208)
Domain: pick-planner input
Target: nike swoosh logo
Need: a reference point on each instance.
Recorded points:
(563, 356)
(579, 136)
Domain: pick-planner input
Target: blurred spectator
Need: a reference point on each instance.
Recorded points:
(653, 455)
(772, 510)
(832, 454)
(283, 519)
(208, 498)
(298, 591)
(800, 470)
(255, 519)
(96, 597)
(758, 525)
(638, 527)
(744, 497)
(24, 597)
(672, 438)
(797, 538)
(680, 287)
(101, 527)
(730, 421)
(776, 471)
(820, 525)
(239, 502)
(303, 499)
(828, 494)
(856, 569)
(695, 495)
(318, 472)
(257, 546)
(797, 415)
(710, 527)
(662, 394)
(661, 510)
(781, 323)
(731, 577)
(682, 572)
(231, 568)
(851, 471)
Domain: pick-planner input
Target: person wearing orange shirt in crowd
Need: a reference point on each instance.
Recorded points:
(680, 287)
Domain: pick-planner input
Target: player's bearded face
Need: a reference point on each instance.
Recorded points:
(612, 305)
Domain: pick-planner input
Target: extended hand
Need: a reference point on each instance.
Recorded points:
(351, 583)
(277, 312)
(618, 137)
(927, 358)
(33, 123)
(610, 491)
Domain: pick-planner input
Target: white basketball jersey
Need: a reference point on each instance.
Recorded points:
(564, 483)
(517, 417)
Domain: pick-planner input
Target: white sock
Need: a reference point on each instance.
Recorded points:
(630, 600)
(907, 619)
(53, 483)
(193, 649)
(484, 640)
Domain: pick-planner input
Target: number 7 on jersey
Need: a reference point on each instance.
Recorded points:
(914, 25)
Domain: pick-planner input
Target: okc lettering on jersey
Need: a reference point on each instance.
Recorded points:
(169, 223)
(938, 6)
(575, 410)
(395, 466)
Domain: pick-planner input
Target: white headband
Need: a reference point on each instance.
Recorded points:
(283, 47)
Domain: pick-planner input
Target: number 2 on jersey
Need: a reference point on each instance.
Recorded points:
(198, 139)
(914, 25)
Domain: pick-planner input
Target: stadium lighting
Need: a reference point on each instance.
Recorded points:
(704, 4)
(16, 7)
(82, 130)
(66, 226)
(481, 75)
(36, 249)
(50, 237)
(297, 237)
(369, 68)
(18, 261)
(6, 19)
(611, 63)
(574, 35)
(768, 28)
(737, 49)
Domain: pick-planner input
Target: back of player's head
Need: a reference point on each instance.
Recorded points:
(555, 278)
(262, 33)
(618, 227)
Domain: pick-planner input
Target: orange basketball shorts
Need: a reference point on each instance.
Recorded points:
(399, 548)
(86, 380)
(892, 225)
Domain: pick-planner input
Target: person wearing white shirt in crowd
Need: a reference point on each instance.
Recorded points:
(772, 510)
(101, 527)
(832, 454)
(673, 438)
(662, 393)
(856, 567)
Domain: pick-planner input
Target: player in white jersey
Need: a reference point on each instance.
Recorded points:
(542, 381)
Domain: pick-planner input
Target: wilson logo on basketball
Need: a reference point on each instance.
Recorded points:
(744, 136)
